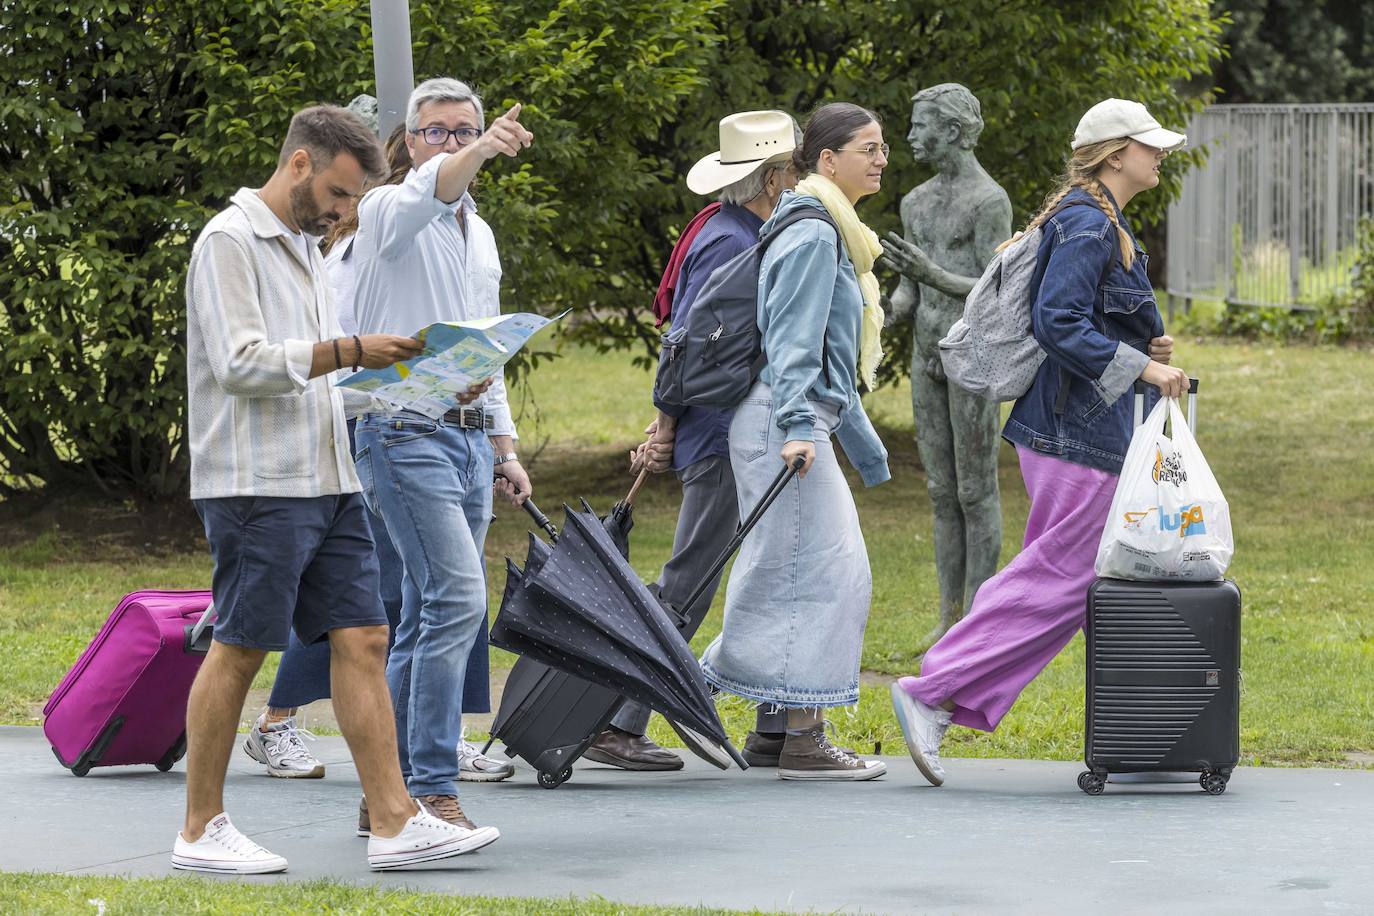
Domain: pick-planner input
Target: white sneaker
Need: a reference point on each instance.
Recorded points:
(708, 750)
(424, 839)
(223, 850)
(474, 766)
(282, 750)
(923, 727)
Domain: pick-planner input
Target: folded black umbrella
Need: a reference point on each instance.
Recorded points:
(582, 609)
(579, 608)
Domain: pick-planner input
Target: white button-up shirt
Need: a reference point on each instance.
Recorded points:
(256, 304)
(413, 266)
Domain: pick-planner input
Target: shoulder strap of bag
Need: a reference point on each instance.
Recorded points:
(1061, 400)
(797, 216)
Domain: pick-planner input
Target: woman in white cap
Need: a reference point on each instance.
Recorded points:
(798, 598)
(1094, 314)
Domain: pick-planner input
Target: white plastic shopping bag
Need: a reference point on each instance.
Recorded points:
(1169, 519)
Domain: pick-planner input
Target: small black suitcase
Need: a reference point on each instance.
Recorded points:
(1163, 685)
(1163, 677)
(548, 717)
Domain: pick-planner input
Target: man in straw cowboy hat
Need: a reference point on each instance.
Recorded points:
(747, 174)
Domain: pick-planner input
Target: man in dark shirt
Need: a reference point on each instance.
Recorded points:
(748, 173)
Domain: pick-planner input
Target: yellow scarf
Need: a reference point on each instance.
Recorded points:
(862, 244)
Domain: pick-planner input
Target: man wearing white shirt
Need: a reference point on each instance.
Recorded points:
(421, 255)
(273, 484)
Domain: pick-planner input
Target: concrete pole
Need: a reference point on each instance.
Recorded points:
(391, 61)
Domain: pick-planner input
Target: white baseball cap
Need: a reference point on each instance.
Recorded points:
(1114, 119)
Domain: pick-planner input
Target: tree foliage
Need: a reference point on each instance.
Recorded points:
(132, 122)
(1297, 51)
(125, 126)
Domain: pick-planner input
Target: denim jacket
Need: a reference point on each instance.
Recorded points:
(1095, 330)
(810, 313)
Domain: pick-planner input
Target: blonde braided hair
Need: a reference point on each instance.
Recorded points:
(1081, 172)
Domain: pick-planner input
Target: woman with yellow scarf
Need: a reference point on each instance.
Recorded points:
(798, 597)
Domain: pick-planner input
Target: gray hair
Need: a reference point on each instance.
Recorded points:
(750, 186)
(440, 89)
(958, 106)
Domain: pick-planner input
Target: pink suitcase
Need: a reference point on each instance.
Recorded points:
(124, 702)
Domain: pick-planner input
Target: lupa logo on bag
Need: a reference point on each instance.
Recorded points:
(1187, 521)
(1169, 469)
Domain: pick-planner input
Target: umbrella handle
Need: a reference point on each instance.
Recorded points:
(634, 490)
(541, 519)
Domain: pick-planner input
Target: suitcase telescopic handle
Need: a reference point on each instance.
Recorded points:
(197, 630)
(1142, 387)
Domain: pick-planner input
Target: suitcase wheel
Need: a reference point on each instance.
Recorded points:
(1212, 782)
(1091, 783)
(81, 769)
(174, 753)
(554, 780)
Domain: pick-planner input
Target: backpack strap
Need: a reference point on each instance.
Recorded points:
(797, 216)
(1061, 400)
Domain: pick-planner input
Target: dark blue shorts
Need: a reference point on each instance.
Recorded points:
(284, 563)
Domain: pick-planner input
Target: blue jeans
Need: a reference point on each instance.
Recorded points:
(431, 484)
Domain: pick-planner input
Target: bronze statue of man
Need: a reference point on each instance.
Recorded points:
(953, 223)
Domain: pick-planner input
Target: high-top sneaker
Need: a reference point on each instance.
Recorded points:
(809, 754)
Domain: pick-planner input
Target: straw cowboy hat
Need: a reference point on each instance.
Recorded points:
(748, 141)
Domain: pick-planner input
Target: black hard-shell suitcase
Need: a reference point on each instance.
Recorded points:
(1163, 677)
(549, 718)
(1163, 684)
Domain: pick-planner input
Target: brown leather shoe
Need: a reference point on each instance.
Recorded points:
(630, 752)
(446, 807)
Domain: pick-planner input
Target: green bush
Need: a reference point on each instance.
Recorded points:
(125, 127)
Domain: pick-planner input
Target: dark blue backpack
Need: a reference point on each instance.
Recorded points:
(714, 357)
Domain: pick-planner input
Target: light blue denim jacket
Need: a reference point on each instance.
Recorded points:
(810, 314)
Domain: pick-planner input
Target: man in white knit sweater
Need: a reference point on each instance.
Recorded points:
(275, 487)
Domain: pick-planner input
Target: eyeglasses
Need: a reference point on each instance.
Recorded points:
(438, 136)
(871, 150)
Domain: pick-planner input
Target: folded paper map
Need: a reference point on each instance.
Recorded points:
(457, 355)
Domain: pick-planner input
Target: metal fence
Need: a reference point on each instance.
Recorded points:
(1270, 218)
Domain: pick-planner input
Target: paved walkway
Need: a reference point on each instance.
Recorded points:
(1002, 836)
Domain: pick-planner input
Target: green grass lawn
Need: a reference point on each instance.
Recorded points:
(60, 895)
(1289, 433)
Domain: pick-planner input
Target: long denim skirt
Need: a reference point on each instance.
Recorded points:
(799, 592)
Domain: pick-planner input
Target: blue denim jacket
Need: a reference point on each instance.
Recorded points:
(811, 313)
(1095, 331)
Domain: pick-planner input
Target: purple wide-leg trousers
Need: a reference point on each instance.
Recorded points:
(1022, 617)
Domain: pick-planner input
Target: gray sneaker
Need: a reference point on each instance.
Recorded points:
(811, 755)
(474, 766)
(923, 727)
(282, 749)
